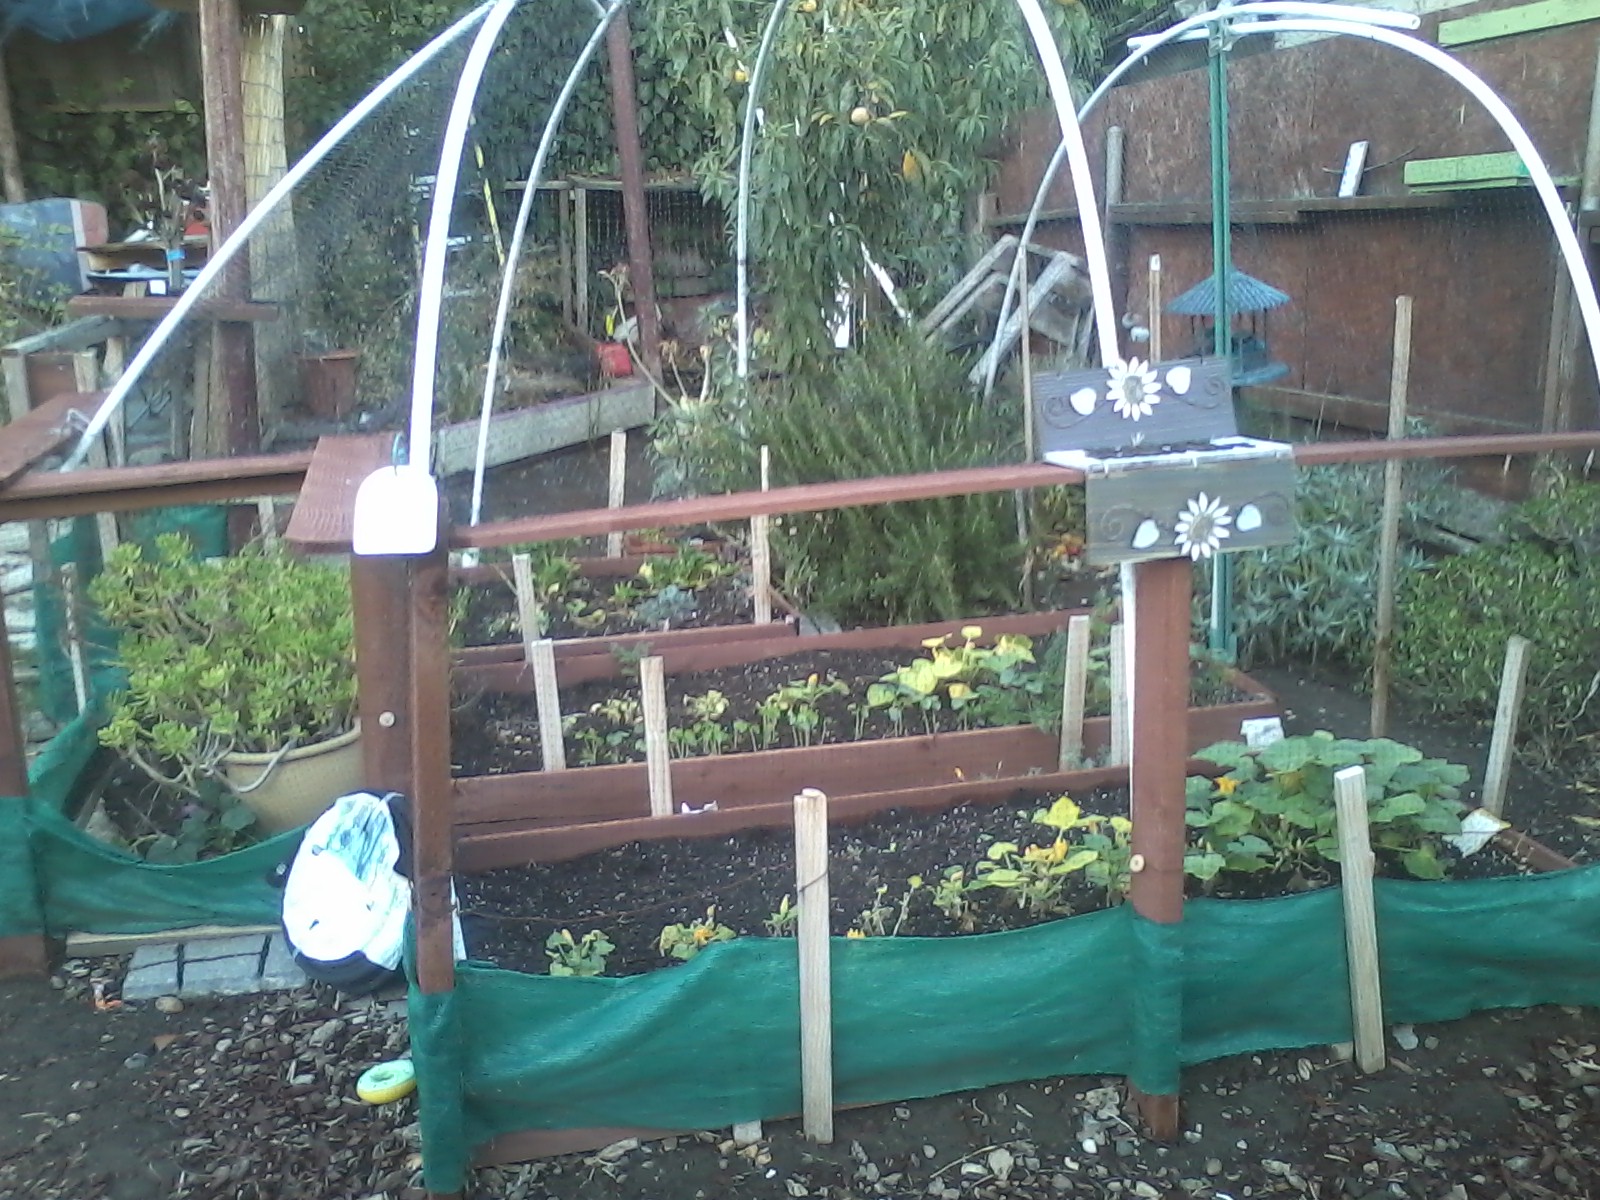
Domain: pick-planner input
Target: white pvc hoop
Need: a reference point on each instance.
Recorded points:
(1335, 19)
(514, 250)
(253, 220)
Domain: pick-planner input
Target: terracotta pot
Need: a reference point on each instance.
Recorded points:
(288, 791)
(615, 361)
(328, 382)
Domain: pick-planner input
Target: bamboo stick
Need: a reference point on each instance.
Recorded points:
(1503, 742)
(618, 487)
(1360, 918)
(1074, 680)
(1389, 530)
(816, 982)
(657, 751)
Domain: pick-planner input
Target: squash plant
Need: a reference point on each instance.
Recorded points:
(1274, 811)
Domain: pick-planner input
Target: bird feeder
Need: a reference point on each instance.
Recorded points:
(1250, 300)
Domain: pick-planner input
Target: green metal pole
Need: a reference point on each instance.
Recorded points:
(1222, 637)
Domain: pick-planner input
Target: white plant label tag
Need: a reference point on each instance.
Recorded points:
(1477, 827)
(1261, 731)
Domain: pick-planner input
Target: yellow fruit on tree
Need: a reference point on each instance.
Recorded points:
(740, 75)
(910, 166)
(808, 6)
(860, 115)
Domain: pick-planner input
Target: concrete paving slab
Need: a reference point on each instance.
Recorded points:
(279, 970)
(148, 982)
(225, 947)
(236, 976)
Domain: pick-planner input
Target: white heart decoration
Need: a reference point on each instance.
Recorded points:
(1179, 378)
(1147, 535)
(1083, 400)
(1249, 519)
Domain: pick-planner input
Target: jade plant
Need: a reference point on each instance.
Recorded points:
(1273, 809)
(249, 654)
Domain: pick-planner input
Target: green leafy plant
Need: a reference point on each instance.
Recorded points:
(784, 921)
(1274, 811)
(796, 704)
(952, 895)
(884, 919)
(688, 569)
(683, 942)
(1108, 839)
(585, 956)
(671, 604)
(208, 826)
(252, 653)
(1034, 877)
(985, 685)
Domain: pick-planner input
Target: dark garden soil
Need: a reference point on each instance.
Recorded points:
(587, 609)
(499, 734)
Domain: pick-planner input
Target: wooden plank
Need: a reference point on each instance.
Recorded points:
(44, 494)
(43, 430)
(1503, 742)
(153, 308)
(816, 966)
(1464, 168)
(81, 334)
(1524, 18)
(524, 432)
(571, 649)
(1074, 678)
(101, 945)
(324, 514)
(1360, 918)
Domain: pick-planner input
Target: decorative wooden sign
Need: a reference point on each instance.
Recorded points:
(1166, 473)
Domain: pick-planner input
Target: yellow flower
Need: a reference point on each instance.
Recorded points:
(959, 691)
(1227, 785)
(934, 643)
(1046, 854)
(970, 632)
(855, 933)
(703, 934)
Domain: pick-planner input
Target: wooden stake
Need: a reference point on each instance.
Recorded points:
(1118, 752)
(657, 751)
(69, 608)
(1360, 919)
(1503, 742)
(1155, 308)
(816, 974)
(761, 550)
(530, 617)
(1389, 530)
(618, 488)
(580, 256)
(542, 658)
(267, 519)
(10, 157)
(1074, 680)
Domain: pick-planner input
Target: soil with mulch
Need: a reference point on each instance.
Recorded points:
(491, 611)
(497, 734)
(632, 892)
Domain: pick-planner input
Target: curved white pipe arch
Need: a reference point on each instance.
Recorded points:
(508, 277)
(1071, 140)
(430, 290)
(253, 220)
(1292, 17)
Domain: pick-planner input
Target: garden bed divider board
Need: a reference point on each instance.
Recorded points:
(514, 1065)
(1012, 757)
(727, 646)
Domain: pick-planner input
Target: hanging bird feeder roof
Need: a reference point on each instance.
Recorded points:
(1246, 293)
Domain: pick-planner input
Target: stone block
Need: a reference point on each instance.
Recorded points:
(224, 947)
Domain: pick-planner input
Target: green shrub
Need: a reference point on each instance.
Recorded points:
(1454, 622)
(894, 406)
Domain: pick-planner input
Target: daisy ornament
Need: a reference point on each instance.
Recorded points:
(1202, 526)
(1133, 389)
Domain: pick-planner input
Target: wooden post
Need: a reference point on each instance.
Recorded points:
(1156, 600)
(542, 658)
(1503, 742)
(1360, 919)
(630, 159)
(10, 157)
(380, 594)
(1155, 308)
(1118, 752)
(432, 810)
(618, 488)
(1074, 678)
(273, 251)
(530, 616)
(1116, 232)
(761, 550)
(657, 751)
(1389, 530)
(816, 968)
(563, 201)
(1563, 357)
(222, 73)
(580, 257)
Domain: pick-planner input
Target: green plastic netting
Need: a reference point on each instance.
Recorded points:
(716, 1041)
